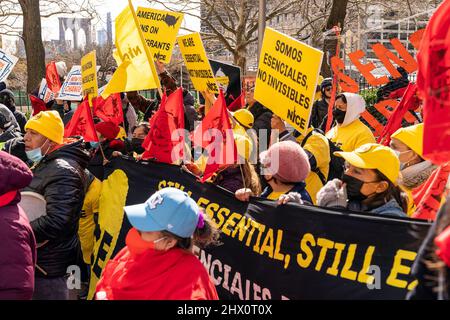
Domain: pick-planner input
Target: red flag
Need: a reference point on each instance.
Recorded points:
(433, 83)
(428, 196)
(237, 103)
(167, 120)
(82, 124)
(109, 109)
(52, 77)
(220, 152)
(37, 104)
(334, 84)
(409, 102)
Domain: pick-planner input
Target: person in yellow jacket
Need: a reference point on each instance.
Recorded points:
(316, 147)
(86, 225)
(349, 132)
(407, 143)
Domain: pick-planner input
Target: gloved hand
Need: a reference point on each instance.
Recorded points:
(293, 197)
(333, 194)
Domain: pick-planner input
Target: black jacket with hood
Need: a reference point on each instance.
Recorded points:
(60, 177)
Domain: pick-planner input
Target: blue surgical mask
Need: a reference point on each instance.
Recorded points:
(34, 155)
(94, 144)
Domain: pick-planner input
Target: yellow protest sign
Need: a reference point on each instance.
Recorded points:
(287, 77)
(136, 70)
(160, 29)
(89, 76)
(197, 63)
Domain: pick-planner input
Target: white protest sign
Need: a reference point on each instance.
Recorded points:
(44, 92)
(7, 63)
(71, 89)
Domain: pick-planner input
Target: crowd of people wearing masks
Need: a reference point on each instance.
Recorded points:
(343, 168)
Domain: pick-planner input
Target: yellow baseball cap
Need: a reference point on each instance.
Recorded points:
(49, 124)
(412, 136)
(374, 156)
(244, 117)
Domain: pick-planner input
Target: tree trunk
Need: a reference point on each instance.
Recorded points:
(336, 18)
(240, 60)
(34, 47)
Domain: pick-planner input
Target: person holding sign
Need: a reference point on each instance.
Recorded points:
(157, 262)
(370, 183)
(349, 132)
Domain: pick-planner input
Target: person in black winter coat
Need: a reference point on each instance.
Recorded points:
(320, 107)
(8, 127)
(7, 98)
(59, 176)
(263, 118)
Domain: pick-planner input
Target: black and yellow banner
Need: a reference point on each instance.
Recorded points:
(269, 251)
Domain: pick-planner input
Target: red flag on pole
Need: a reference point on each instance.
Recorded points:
(215, 134)
(109, 109)
(82, 124)
(409, 102)
(37, 104)
(237, 103)
(335, 83)
(428, 196)
(52, 77)
(433, 84)
(162, 138)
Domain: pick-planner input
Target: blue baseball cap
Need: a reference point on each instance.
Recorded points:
(168, 209)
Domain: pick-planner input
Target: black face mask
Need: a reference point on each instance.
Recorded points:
(339, 115)
(353, 186)
(136, 144)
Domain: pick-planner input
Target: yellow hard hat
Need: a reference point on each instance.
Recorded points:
(49, 124)
(244, 118)
(122, 134)
(374, 156)
(412, 136)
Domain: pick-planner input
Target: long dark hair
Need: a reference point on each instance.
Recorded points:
(202, 237)
(392, 192)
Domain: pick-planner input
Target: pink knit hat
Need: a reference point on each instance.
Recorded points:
(286, 161)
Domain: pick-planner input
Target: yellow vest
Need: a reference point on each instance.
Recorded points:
(351, 137)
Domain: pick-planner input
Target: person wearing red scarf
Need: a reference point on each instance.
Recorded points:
(157, 262)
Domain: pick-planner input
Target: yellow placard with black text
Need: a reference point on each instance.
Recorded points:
(160, 30)
(89, 83)
(287, 76)
(197, 63)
